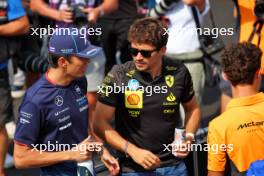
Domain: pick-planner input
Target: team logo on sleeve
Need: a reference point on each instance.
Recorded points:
(169, 79)
(134, 99)
(59, 100)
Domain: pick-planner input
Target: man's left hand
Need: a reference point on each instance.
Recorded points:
(110, 162)
(181, 150)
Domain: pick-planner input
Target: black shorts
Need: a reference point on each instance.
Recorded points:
(6, 111)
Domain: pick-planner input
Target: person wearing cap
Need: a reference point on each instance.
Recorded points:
(61, 13)
(52, 128)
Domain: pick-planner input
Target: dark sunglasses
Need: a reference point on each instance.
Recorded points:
(144, 53)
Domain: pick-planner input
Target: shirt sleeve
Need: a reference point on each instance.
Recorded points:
(15, 10)
(29, 124)
(216, 156)
(106, 92)
(205, 11)
(188, 91)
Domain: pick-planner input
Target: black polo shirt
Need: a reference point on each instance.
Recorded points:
(147, 110)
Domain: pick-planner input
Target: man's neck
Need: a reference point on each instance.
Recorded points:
(58, 77)
(156, 71)
(244, 91)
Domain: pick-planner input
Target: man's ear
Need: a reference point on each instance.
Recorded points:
(225, 77)
(258, 73)
(163, 50)
(62, 62)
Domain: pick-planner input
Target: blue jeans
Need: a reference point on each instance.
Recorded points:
(178, 170)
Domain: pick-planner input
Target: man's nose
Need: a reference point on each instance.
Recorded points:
(139, 56)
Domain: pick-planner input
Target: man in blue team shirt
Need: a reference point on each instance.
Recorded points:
(54, 112)
(13, 22)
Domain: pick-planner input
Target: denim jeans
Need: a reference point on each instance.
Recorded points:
(177, 170)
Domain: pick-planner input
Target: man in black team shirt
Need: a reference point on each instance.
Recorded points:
(144, 95)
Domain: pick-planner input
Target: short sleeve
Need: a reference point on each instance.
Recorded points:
(29, 124)
(107, 93)
(15, 10)
(216, 158)
(188, 92)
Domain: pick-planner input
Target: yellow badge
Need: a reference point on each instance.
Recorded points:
(169, 79)
(134, 99)
(171, 97)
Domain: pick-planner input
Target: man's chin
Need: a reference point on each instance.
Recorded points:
(141, 68)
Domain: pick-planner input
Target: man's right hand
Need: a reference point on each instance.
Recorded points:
(144, 157)
(84, 150)
(65, 15)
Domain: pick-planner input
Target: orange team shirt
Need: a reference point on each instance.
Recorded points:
(241, 129)
(247, 20)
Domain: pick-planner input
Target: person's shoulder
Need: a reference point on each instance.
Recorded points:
(37, 90)
(174, 66)
(125, 67)
(223, 121)
(121, 70)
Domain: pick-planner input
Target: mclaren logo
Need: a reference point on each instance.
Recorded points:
(250, 124)
(169, 79)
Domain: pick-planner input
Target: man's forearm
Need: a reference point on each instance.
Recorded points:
(32, 159)
(43, 9)
(109, 135)
(193, 120)
(15, 28)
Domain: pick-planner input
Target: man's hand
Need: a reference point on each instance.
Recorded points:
(65, 15)
(181, 150)
(110, 162)
(144, 158)
(82, 151)
(93, 13)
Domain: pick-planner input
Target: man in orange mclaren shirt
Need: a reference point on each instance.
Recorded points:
(239, 131)
(247, 19)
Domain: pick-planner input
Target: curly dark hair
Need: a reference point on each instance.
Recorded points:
(150, 31)
(240, 62)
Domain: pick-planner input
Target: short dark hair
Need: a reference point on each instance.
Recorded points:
(240, 62)
(149, 31)
(53, 59)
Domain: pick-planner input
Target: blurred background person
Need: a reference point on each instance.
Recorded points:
(246, 18)
(183, 43)
(13, 22)
(114, 32)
